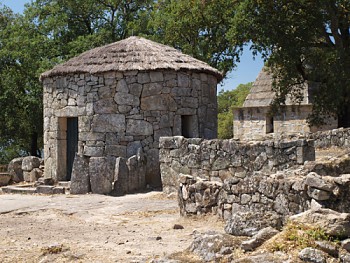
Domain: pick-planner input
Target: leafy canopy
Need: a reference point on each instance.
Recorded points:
(302, 41)
(227, 100)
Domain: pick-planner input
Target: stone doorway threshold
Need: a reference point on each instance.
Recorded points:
(60, 188)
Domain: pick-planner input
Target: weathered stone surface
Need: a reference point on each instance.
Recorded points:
(132, 148)
(332, 222)
(30, 162)
(108, 123)
(153, 168)
(312, 255)
(318, 195)
(158, 102)
(122, 86)
(35, 174)
(105, 106)
(138, 127)
(328, 247)
(116, 150)
(137, 171)
(15, 170)
(250, 223)
(212, 246)
(314, 180)
(345, 244)
(121, 177)
(80, 178)
(258, 239)
(101, 171)
(5, 179)
(26, 176)
(45, 189)
(126, 99)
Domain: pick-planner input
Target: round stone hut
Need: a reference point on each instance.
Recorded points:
(105, 110)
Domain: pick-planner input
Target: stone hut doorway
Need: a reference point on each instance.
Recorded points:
(72, 144)
(67, 145)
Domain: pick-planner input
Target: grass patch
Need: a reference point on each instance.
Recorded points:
(297, 236)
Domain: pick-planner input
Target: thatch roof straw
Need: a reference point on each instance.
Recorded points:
(133, 53)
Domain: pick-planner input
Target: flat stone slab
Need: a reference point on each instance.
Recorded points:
(18, 190)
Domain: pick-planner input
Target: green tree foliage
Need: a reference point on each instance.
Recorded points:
(50, 32)
(227, 100)
(303, 41)
(198, 28)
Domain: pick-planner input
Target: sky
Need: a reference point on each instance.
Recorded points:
(246, 71)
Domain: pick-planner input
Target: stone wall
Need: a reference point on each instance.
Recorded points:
(331, 138)
(218, 160)
(251, 203)
(121, 112)
(254, 123)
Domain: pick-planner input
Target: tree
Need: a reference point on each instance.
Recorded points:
(302, 41)
(50, 32)
(198, 28)
(227, 100)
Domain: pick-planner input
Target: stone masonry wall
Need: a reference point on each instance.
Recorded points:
(218, 160)
(121, 112)
(254, 123)
(331, 138)
(247, 184)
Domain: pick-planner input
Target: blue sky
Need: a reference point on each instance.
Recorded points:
(246, 71)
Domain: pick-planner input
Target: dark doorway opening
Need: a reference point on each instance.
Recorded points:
(72, 144)
(187, 126)
(269, 124)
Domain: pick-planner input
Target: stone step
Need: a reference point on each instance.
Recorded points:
(19, 190)
(65, 184)
(50, 189)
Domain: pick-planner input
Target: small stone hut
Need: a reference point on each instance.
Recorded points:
(105, 110)
(254, 121)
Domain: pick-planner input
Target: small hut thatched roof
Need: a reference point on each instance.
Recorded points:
(261, 93)
(133, 53)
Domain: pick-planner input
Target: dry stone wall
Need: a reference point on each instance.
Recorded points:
(121, 112)
(331, 138)
(255, 192)
(218, 160)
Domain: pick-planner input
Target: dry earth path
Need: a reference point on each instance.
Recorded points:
(94, 228)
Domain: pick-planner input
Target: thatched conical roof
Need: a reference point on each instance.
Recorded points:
(133, 53)
(261, 93)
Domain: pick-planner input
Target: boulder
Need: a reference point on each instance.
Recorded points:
(101, 171)
(250, 223)
(212, 246)
(5, 179)
(30, 162)
(35, 174)
(258, 239)
(121, 177)
(15, 170)
(312, 255)
(345, 244)
(80, 180)
(332, 222)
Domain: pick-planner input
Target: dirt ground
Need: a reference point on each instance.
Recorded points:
(94, 228)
